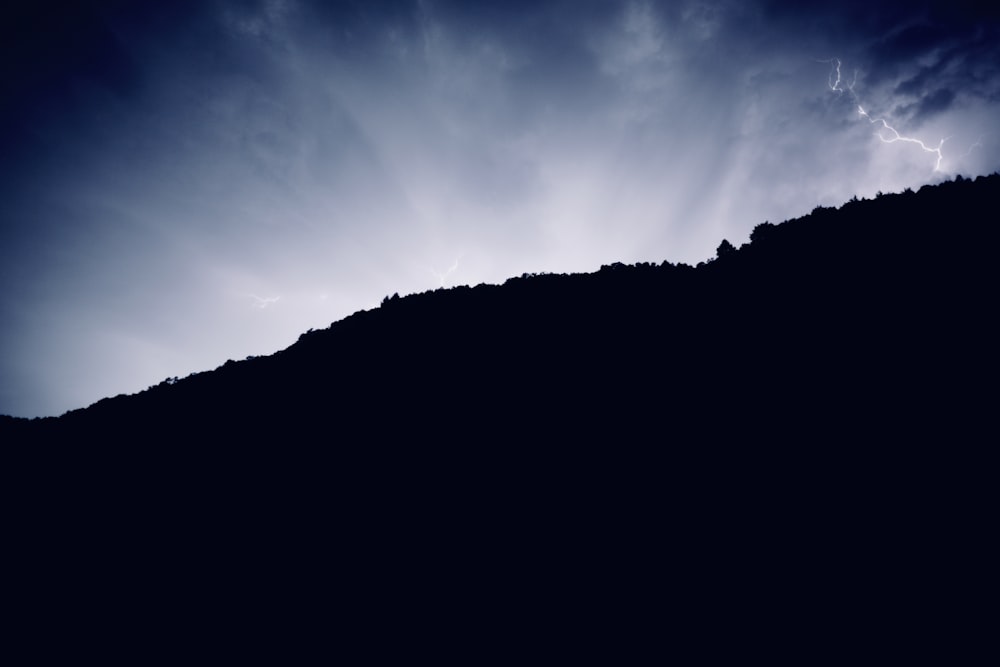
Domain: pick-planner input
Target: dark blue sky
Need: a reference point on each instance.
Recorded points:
(200, 181)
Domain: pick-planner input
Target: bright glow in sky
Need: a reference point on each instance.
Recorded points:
(206, 180)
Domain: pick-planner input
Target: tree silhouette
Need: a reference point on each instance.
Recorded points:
(761, 231)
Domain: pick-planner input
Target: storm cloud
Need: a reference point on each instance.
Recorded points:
(192, 182)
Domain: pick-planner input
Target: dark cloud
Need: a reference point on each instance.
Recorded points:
(45, 47)
(917, 84)
(909, 42)
(933, 103)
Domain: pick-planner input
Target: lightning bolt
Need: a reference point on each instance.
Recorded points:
(896, 136)
(444, 276)
(260, 302)
(977, 144)
(835, 79)
(835, 84)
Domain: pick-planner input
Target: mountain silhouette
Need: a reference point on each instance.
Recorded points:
(872, 314)
(805, 418)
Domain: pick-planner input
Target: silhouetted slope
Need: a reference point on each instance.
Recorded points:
(787, 436)
(864, 313)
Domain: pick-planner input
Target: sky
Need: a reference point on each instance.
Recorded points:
(183, 183)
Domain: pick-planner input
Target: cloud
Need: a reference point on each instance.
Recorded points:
(166, 158)
(933, 103)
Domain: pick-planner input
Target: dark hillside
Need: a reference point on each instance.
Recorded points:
(795, 433)
(866, 319)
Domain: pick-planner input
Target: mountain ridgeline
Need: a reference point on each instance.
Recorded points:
(871, 319)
